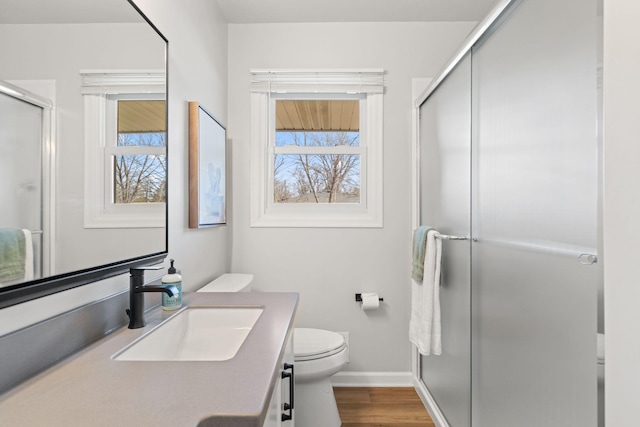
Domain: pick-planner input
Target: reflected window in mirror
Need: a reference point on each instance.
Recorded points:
(125, 149)
(137, 156)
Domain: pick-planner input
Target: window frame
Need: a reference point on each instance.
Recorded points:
(112, 148)
(273, 150)
(268, 86)
(101, 90)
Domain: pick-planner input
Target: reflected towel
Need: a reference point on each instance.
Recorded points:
(28, 257)
(13, 254)
(418, 253)
(424, 326)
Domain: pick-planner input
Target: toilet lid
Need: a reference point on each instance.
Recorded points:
(309, 344)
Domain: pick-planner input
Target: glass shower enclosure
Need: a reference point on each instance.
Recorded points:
(509, 156)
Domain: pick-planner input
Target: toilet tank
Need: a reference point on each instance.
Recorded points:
(230, 282)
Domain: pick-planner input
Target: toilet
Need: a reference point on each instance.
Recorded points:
(319, 354)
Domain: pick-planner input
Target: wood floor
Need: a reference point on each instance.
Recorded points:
(381, 406)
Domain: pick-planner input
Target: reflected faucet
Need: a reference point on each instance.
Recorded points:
(136, 295)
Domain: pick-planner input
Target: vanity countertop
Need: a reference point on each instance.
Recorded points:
(90, 389)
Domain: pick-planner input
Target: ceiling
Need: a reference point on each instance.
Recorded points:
(66, 11)
(142, 116)
(255, 11)
(317, 115)
(280, 11)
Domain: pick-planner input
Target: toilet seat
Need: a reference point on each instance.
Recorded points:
(312, 344)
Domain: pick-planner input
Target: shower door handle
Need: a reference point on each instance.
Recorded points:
(587, 259)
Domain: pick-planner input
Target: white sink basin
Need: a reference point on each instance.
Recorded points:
(196, 333)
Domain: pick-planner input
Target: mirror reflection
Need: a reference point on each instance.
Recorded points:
(82, 137)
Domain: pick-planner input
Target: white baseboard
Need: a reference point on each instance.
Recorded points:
(429, 403)
(372, 379)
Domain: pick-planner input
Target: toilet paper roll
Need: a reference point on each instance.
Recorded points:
(370, 301)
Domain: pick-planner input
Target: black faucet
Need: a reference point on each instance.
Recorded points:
(136, 295)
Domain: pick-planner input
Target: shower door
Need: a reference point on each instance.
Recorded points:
(445, 142)
(509, 155)
(534, 211)
(21, 170)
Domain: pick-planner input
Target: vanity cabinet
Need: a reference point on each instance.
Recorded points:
(281, 406)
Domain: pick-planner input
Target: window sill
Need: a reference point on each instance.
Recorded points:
(318, 220)
(127, 217)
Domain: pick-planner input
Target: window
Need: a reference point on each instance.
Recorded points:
(316, 148)
(136, 156)
(125, 150)
(317, 151)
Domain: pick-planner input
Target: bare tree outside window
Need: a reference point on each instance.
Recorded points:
(140, 178)
(317, 178)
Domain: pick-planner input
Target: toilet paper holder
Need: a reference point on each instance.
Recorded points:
(359, 298)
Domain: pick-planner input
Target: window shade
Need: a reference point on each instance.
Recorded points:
(318, 81)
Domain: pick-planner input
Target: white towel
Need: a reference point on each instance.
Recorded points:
(424, 326)
(28, 257)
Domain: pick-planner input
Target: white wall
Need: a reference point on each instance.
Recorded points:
(621, 211)
(328, 266)
(197, 38)
(197, 35)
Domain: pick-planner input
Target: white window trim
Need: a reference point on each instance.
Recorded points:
(268, 85)
(97, 86)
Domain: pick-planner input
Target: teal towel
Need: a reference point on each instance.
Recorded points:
(13, 253)
(419, 251)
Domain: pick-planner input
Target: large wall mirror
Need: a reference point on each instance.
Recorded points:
(83, 144)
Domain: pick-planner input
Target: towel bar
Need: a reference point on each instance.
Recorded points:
(448, 237)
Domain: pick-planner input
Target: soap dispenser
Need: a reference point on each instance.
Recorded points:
(173, 278)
